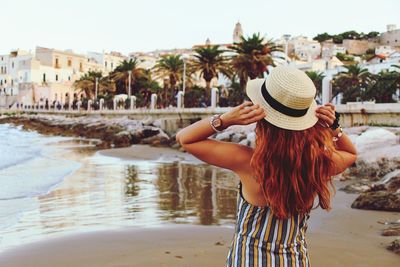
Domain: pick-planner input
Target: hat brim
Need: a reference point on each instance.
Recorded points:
(253, 91)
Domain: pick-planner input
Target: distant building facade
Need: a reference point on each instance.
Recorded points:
(391, 36)
(48, 74)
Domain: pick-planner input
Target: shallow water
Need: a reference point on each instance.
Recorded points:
(105, 193)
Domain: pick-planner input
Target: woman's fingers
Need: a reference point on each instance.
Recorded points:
(245, 104)
(325, 112)
(248, 109)
(254, 113)
(331, 106)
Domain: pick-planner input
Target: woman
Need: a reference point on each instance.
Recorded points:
(299, 146)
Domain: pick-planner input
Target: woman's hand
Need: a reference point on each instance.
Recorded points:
(326, 114)
(243, 114)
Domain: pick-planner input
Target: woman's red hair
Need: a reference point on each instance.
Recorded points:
(293, 167)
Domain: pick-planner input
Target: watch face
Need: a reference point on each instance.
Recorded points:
(217, 122)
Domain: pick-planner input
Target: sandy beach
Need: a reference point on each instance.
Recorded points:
(341, 237)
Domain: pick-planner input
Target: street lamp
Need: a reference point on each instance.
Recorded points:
(96, 88)
(184, 58)
(129, 83)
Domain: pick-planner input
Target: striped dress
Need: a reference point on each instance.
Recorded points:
(261, 239)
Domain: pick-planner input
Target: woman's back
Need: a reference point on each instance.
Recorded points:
(298, 147)
(262, 239)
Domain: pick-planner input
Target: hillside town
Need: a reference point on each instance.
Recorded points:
(49, 76)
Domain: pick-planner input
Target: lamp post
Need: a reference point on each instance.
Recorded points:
(96, 88)
(129, 83)
(184, 59)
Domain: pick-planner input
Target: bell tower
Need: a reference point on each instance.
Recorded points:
(237, 32)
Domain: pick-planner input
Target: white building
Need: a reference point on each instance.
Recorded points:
(48, 75)
(384, 50)
(301, 47)
(109, 61)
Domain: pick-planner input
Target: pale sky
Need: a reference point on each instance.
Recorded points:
(132, 25)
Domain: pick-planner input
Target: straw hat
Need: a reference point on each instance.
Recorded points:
(287, 96)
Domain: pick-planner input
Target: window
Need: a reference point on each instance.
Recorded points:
(80, 67)
(69, 78)
(69, 62)
(1, 70)
(105, 64)
(12, 64)
(56, 77)
(57, 63)
(112, 65)
(1, 82)
(12, 82)
(44, 77)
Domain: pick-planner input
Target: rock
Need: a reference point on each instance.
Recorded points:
(160, 139)
(395, 246)
(252, 138)
(375, 138)
(357, 187)
(391, 231)
(244, 142)
(122, 139)
(377, 200)
(224, 136)
(376, 187)
(157, 123)
(148, 121)
(237, 137)
(373, 171)
(394, 184)
(149, 132)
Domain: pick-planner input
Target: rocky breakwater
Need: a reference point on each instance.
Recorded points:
(115, 132)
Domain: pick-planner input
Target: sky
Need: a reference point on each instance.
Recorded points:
(132, 25)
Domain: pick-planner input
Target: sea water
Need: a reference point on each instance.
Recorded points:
(28, 169)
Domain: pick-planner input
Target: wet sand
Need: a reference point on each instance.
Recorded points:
(341, 237)
(351, 240)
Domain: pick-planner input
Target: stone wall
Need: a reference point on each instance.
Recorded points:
(353, 114)
(358, 47)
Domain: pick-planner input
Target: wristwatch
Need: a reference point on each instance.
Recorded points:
(216, 123)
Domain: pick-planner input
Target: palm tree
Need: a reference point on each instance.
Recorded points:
(87, 83)
(209, 61)
(253, 55)
(317, 78)
(385, 84)
(121, 75)
(351, 82)
(170, 66)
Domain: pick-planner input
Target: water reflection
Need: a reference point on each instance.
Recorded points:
(107, 193)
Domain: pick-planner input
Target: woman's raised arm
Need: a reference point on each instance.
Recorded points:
(194, 138)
